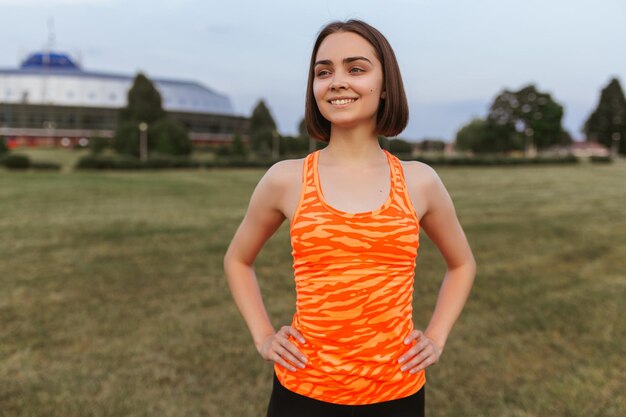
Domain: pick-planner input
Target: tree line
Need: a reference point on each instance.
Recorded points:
(522, 120)
(525, 120)
(530, 119)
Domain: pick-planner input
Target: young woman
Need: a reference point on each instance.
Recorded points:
(354, 212)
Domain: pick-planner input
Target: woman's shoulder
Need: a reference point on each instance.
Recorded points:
(286, 166)
(418, 172)
(285, 172)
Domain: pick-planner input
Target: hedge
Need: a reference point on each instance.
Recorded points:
(170, 162)
(129, 162)
(600, 159)
(16, 161)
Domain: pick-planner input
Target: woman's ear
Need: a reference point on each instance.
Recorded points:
(383, 95)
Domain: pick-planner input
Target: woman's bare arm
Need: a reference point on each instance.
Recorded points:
(263, 217)
(442, 226)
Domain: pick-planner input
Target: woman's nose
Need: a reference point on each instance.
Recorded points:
(338, 82)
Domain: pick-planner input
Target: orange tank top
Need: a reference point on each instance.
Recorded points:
(354, 290)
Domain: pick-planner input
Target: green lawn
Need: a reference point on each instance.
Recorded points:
(113, 300)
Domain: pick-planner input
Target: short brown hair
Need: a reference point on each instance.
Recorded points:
(393, 111)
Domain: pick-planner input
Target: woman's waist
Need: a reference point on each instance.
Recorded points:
(376, 360)
(355, 342)
(359, 313)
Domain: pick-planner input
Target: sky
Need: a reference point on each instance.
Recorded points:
(455, 56)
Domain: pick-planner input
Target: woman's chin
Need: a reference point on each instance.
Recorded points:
(346, 122)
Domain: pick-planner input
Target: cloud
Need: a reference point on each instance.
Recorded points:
(53, 2)
(217, 29)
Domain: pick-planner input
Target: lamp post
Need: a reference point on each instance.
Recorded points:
(143, 141)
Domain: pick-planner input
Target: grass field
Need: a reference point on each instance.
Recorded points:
(113, 300)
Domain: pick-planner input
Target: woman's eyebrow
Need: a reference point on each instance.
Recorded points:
(345, 60)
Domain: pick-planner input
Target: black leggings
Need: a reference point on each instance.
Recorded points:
(285, 403)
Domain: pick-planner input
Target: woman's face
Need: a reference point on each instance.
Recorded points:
(348, 80)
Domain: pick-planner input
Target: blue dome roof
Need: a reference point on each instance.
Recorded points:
(49, 60)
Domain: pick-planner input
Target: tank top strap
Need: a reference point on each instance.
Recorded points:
(308, 193)
(308, 173)
(310, 203)
(401, 191)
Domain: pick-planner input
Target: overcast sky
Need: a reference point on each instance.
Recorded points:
(455, 56)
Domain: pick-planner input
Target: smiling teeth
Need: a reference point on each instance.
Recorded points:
(343, 101)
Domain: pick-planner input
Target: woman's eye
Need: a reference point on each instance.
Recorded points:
(322, 73)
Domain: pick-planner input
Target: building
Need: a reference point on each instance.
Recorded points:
(51, 101)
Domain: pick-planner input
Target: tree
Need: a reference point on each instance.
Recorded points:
(312, 144)
(302, 130)
(607, 123)
(383, 142)
(238, 147)
(262, 126)
(144, 102)
(399, 146)
(98, 144)
(526, 116)
(485, 136)
(126, 139)
(164, 135)
(169, 137)
(432, 145)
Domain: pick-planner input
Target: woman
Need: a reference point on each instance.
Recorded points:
(355, 211)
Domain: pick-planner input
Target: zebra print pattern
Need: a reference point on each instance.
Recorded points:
(354, 282)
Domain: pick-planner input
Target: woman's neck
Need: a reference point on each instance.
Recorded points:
(353, 146)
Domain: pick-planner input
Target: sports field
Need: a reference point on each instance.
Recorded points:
(113, 300)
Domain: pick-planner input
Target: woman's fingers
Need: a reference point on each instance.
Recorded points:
(415, 334)
(421, 345)
(290, 331)
(278, 359)
(280, 349)
(423, 354)
(291, 352)
(293, 332)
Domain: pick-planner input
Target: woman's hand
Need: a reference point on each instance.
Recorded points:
(425, 353)
(278, 348)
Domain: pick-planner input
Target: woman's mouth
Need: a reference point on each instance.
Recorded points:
(342, 102)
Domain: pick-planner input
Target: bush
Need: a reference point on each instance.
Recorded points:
(16, 161)
(156, 161)
(3, 146)
(159, 161)
(496, 160)
(169, 136)
(126, 140)
(238, 147)
(239, 163)
(44, 165)
(399, 146)
(223, 151)
(98, 144)
(600, 159)
(108, 162)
